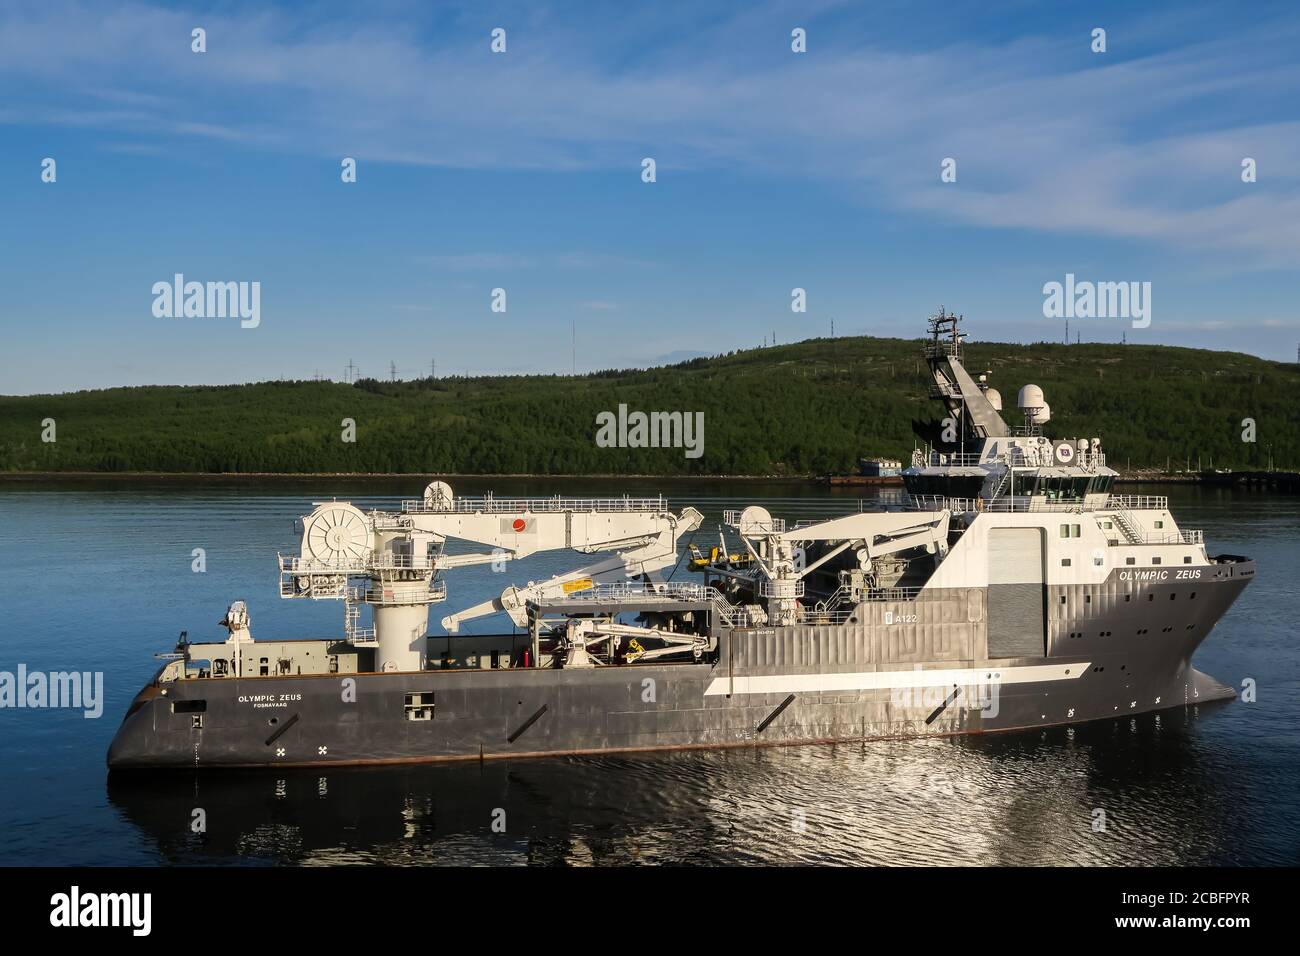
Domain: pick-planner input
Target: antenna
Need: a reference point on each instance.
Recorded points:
(575, 345)
(350, 372)
(392, 370)
(433, 368)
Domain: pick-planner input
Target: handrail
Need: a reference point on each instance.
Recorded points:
(625, 590)
(1014, 456)
(400, 594)
(731, 518)
(767, 589)
(1139, 502)
(731, 614)
(489, 504)
(1002, 504)
(1173, 537)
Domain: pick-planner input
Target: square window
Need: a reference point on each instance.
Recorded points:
(1130, 560)
(1065, 562)
(1065, 531)
(419, 706)
(1155, 560)
(1160, 524)
(1075, 531)
(1187, 559)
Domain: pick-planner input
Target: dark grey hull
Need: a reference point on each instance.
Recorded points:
(1105, 657)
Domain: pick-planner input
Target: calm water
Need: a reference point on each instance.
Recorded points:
(97, 578)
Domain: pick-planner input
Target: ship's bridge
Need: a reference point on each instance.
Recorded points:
(1072, 470)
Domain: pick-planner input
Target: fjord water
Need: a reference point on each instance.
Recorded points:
(98, 577)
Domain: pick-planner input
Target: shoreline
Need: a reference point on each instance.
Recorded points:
(289, 476)
(20, 476)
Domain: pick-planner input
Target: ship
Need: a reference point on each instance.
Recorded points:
(1010, 588)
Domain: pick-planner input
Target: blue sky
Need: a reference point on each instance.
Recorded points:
(522, 171)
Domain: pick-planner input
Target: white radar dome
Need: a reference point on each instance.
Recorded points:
(1031, 396)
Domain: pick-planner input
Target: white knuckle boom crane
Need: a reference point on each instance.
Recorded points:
(392, 561)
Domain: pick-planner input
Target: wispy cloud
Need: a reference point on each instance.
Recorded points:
(1048, 137)
(502, 262)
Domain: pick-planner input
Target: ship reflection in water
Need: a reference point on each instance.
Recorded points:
(1032, 798)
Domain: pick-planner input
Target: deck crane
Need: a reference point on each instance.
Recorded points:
(392, 561)
(779, 567)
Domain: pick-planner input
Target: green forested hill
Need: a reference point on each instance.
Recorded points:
(812, 407)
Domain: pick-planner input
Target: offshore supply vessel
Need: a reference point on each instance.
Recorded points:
(1008, 589)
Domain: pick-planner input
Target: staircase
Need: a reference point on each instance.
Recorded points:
(1127, 525)
(1001, 486)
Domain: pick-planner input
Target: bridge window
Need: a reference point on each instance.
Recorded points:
(1130, 560)
(1155, 560)
(947, 486)
(1100, 483)
(1061, 488)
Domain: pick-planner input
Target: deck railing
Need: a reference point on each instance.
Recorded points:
(1138, 502)
(489, 504)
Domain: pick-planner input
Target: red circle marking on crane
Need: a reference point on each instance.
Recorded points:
(520, 524)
